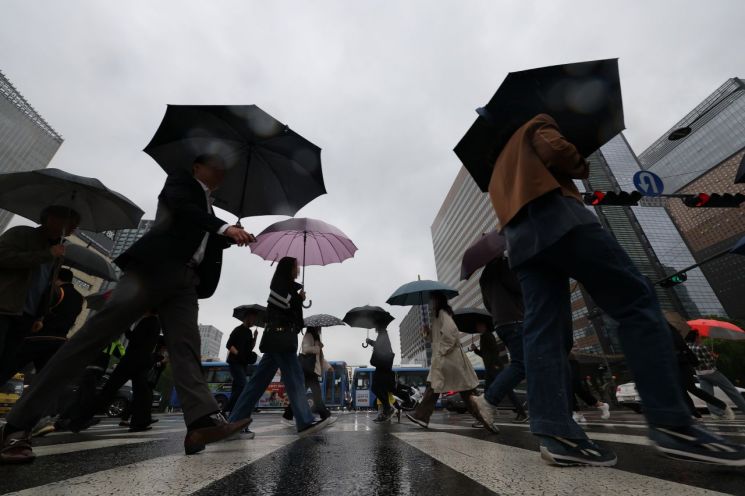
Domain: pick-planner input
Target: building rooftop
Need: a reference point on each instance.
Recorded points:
(13, 95)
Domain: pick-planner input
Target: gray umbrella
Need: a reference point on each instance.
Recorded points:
(29, 193)
(323, 320)
(88, 261)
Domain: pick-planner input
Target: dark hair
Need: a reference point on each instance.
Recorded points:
(691, 336)
(60, 212)
(441, 303)
(64, 275)
(283, 272)
(210, 159)
(314, 332)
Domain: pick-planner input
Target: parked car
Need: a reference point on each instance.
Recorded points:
(628, 396)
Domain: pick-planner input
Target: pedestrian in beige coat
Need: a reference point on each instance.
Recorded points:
(451, 370)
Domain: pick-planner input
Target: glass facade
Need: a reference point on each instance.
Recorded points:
(27, 142)
(122, 240)
(414, 350)
(211, 338)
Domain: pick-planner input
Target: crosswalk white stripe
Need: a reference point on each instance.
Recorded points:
(153, 432)
(172, 474)
(508, 470)
(58, 449)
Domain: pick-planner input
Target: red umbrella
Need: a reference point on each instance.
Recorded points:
(717, 329)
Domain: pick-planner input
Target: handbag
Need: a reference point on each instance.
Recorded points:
(278, 340)
(308, 363)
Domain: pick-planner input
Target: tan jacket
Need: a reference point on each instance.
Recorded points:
(310, 346)
(22, 249)
(451, 370)
(537, 159)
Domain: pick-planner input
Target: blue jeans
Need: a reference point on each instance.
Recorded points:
(238, 372)
(716, 378)
(592, 256)
(512, 337)
(292, 377)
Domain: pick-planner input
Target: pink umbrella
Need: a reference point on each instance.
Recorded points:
(311, 241)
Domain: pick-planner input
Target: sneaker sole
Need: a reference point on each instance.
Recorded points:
(693, 457)
(569, 461)
(316, 428)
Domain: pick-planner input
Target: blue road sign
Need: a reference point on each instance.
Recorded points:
(648, 183)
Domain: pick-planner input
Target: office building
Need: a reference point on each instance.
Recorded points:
(211, 338)
(122, 240)
(414, 349)
(27, 141)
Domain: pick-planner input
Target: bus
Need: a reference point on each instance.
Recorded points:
(10, 393)
(364, 398)
(334, 386)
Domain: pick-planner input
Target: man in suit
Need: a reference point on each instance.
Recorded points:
(39, 346)
(551, 237)
(170, 267)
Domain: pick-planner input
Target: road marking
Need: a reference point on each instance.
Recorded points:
(173, 474)
(146, 433)
(58, 449)
(508, 470)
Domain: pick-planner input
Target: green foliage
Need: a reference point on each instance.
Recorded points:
(731, 361)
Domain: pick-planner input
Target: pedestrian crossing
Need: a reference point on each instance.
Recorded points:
(152, 462)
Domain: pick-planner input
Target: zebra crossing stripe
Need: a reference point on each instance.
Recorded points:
(507, 470)
(60, 449)
(172, 474)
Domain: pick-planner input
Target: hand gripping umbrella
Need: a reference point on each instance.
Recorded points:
(88, 261)
(584, 98)
(310, 241)
(368, 317)
(271, 170)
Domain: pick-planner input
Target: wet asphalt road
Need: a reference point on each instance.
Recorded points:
(356, 456)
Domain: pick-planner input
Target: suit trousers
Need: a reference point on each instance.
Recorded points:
(172, 290)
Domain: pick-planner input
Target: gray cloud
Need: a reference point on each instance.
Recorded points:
(386, 89)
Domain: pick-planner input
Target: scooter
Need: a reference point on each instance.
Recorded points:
(405, 398)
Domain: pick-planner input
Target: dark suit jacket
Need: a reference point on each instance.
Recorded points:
(62, 315)
(180, 224)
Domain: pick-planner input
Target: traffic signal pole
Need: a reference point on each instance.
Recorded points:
(682, 272)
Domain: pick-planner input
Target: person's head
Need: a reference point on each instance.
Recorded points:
(58, 220)
(439, 302)
(287, 271)
(315, 332)
(210, 170)
(250, 319)
(64, 276)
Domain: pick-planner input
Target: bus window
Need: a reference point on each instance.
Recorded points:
(363, 380)
(221, 376)
(416, 379)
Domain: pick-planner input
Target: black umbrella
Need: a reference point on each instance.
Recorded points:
(101, 209)
(85, 260)
(467, 319)
(483, 251)
(241, 312)
(368, 317)
(584, 99)
(272, 170)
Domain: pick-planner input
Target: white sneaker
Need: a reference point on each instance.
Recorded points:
(729, 414)
(604, 410)
(288, 423)
(714, 416)
(579, 418)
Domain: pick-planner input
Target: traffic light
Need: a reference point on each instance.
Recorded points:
(674, 280)
(598, 198)
(714, 200)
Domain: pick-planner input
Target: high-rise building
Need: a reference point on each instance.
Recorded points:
(122, 240)
(27, 141)
(413, 348)
(211, 338)
(705, 161)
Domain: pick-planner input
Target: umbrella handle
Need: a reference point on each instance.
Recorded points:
(310, 304)
(365, 345)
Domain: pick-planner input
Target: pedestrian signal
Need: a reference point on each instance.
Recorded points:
(714, 200)
(623, 198)
(674, 280)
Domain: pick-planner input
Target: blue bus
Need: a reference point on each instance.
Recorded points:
(364, 398)
(334, 386)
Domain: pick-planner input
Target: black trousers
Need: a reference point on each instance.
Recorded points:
(37, 352)
(319, 406)
(13, 328)
(492, 374)
(383, 382)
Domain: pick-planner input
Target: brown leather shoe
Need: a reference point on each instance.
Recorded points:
(16, 447)
(197, 439)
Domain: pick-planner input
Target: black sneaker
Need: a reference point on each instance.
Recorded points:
(314, 427)
(520, 419)
(695, 444)
(564, 452)
(77, 427)
(420, 423)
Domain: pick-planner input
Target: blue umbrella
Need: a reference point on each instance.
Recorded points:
(418, 292)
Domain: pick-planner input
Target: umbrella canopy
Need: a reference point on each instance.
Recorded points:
(323, 320)
(483, 251)
(96, 301)
(272, 170)
(418, 292)
(467, 319)
(240, 313)
(740, 176)
(584, 98)
(88, 261)
(101, 209)
(717, 329)
(368, 317)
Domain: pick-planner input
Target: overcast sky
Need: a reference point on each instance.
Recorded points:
(386, 89)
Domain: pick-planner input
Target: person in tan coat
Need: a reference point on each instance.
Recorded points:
(450, 370)
(313, 347)
(552, 237)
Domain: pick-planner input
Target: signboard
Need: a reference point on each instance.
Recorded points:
(648, 183)
(363, 398)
